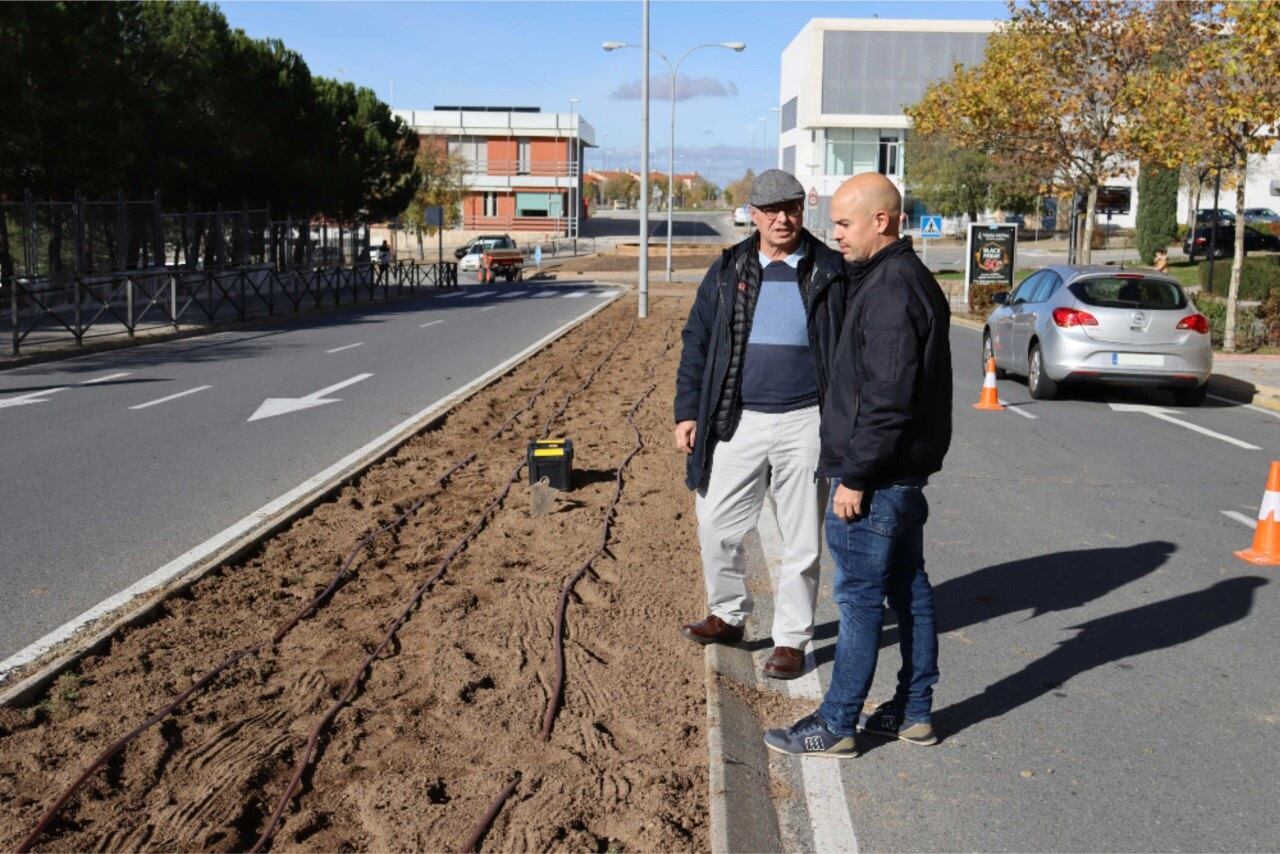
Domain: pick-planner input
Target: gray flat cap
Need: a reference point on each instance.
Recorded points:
(773, 187)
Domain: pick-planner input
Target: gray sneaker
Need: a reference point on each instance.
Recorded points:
(809, 736)
(887, 721)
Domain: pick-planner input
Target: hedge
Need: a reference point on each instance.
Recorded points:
(1259, 275)
(980, 298)
(1215, 309)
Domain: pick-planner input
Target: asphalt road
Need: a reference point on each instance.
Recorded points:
(118, 463)
(1109, 677)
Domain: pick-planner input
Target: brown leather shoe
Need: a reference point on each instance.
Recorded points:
(785, 663)
(712, 630)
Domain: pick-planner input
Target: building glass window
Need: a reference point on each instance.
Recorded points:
(522, 157)
(532, 204)
(474, 150)
(490, 204)
(890, 162)
(851, 151)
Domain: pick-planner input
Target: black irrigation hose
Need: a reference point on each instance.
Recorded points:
(556, 699)
(119, 745)
(482, 521)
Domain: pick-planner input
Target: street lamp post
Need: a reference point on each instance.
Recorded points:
(736, 47)
(573, 172)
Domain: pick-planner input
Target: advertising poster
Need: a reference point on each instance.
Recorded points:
(989, 255)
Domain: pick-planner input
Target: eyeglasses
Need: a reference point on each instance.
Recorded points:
(791, 209)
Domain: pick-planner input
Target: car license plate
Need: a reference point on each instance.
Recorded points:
(1137, 360)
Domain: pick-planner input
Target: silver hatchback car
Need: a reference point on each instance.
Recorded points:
(1100, 325)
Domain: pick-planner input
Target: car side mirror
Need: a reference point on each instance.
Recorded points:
(1000, 298)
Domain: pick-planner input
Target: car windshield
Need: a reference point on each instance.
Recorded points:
(1261, 212)
(1115, 292)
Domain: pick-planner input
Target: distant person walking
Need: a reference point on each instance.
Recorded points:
(384, 260)
(886, 426)
(752, 375)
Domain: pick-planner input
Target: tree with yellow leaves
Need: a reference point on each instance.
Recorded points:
(1220, 106)
(1049, 100)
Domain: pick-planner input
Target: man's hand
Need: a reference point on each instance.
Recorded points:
(847, 503)
(686, 433)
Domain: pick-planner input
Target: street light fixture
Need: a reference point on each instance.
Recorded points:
(736, 47)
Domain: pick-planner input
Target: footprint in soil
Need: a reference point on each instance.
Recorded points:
(468, 692)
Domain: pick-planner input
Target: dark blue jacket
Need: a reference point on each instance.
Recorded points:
(715, 337)
(887, 418)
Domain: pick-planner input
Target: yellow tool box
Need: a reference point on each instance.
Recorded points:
(552, 459)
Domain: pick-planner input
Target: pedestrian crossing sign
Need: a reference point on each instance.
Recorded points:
(930, 226)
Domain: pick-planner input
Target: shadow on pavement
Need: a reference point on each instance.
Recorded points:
(1160, 625)
(1041, 585)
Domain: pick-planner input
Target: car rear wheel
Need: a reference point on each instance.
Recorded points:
(1039, 383)
(1190, 396)
(988, 352)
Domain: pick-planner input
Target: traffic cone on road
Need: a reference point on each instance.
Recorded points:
(990, 397)
(1265, 550)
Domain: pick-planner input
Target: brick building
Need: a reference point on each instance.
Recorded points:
(524, 166)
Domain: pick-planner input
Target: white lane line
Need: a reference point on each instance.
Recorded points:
(1163, 415)
(352, 461)
(1241, 518)
(30, 397)
(831, 824)
(488, 308)
(1248, 406)
(1016, 408)
(348, 347)
(510, 294)
(171, 397)
(432, 323)
(543, 294)
(575, 294)
(479, 294)
(107, 378)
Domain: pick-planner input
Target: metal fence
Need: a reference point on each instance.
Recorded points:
(79, 271)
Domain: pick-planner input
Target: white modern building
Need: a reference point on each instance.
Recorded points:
(845, 84)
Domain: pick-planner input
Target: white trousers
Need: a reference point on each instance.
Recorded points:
(779, 451)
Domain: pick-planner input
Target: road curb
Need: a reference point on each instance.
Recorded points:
(34, 667)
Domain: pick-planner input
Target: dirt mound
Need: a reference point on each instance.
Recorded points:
(452, 710)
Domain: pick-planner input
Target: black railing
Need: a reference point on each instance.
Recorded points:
(74, 271)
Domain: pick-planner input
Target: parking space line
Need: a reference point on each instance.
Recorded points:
(478, 294)
(347, 347)
(575, 294)
(107, 378)
(1241, 518)
(1016, 408)
(824, 795)
(432, 323)
(510, 294)
(171, 397)
(1248, 406)
(1163, 415)
(547, 293)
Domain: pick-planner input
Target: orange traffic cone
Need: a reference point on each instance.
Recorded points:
(1265, 550)
(990, 397)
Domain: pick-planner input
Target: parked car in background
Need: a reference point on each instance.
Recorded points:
(1205, 217)
(1224, 241)
(1077, 324)
(1260, 215)
(742, 215)
(485, 241)
(470, 262)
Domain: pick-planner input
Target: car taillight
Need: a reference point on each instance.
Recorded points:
(1201, 241)
(1196, 323)
(1068, 317)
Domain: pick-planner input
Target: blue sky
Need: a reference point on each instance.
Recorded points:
(419, 54)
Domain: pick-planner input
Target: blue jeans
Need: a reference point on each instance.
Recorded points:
(881, 554)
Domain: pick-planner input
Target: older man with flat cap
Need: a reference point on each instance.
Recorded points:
(752, 376)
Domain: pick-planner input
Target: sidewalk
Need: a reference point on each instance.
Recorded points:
(1255, 379)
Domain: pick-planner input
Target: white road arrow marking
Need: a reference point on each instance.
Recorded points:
(29, 397)
(1163, 415)
(281, 405)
